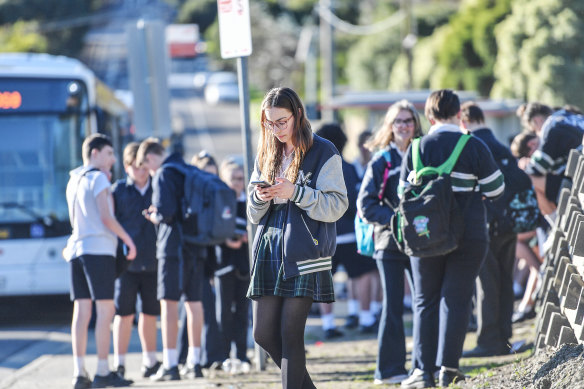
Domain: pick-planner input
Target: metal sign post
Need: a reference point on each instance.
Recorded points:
(235, 41)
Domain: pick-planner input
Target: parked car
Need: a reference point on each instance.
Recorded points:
(222, 87)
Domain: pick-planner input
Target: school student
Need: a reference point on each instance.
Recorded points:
(296, 208)
(180, 272)
(444, 284)
(132, 195)
(232, 276)
(400, 126)
(91, 251)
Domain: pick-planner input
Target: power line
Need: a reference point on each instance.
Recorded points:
(341, 25)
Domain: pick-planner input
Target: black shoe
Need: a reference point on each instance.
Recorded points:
(332, 333)
(520, 316)
(191, 372)
(448, 377)
(164, 374)
(372, 329)
(81, 382)
(419, 379)
(479, 352)
(121, 370)
(112, 379)
(352, 321)
(149, 371)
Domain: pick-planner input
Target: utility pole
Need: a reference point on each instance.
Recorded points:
(327, 68)
(409, 39)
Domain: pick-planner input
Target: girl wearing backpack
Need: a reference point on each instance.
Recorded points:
(296, 209)
(391, 141)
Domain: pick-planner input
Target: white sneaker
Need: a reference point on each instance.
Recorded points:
(396, 379)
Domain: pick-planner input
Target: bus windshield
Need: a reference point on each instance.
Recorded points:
(41, 143)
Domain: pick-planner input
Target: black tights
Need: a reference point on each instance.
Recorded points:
(278, 327)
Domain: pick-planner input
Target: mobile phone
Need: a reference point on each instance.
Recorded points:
(261, 183)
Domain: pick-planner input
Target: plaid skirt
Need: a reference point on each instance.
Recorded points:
(268, 279)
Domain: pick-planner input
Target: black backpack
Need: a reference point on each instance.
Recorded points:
(429, 221)
(209, 207)
(517, 210)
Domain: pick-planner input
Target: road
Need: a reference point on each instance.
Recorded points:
(214, 128)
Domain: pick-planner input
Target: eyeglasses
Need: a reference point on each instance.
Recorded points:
(280, 124)
(407, 122)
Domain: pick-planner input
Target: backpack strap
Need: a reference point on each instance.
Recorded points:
(387, 157)
(446, 167)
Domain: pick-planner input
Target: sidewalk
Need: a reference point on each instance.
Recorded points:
(345, 363)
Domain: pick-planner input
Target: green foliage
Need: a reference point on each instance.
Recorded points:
(467, 54)
(540, 53)
(20, 37)
(201, 12)
(53, 21)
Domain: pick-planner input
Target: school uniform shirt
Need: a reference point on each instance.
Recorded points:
(561, 132)
(89, 236)
(474, 175)
(129, 203)
(379, 212)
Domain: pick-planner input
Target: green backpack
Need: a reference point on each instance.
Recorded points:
(429, 221)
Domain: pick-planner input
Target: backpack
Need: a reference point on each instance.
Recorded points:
(517, 210)
(364, 230)
(209, 207)
(429, 221)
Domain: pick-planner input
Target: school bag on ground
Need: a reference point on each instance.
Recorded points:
(208, 207)
(429, 221)
(364, 230)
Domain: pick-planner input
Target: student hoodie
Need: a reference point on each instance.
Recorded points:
(318, 201)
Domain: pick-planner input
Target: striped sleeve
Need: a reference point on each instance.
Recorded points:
(541, 162)
(493, 185)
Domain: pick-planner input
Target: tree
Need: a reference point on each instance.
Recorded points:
(540, 53)
(201, 12)
(20, 37)
(467, 53)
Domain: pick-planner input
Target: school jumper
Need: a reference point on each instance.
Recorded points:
(443, 285)
(391, 354)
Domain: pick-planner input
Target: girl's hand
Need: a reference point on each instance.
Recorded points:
(283, 189)
(264, 194)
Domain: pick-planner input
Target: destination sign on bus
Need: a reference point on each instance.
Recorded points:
(10, 100)
(41, 95)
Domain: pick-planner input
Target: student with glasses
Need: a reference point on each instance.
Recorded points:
(400, 126)
(295, 239)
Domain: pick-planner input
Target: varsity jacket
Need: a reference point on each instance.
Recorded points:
(474, 175)
(378, 212)
(318, 201)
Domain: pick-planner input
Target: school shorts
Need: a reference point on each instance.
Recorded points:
(92, 277)
(176, 276)
(129, 285)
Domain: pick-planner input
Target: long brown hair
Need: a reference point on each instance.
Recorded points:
(270, 149)
(384, 135)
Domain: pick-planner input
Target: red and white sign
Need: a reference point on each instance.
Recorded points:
(234, 28)
(182, 39)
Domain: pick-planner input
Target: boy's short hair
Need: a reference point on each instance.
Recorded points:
(94, 141)
(130, 152)
(472, 113)
(149, 146)
(442, 104)
(520, 144)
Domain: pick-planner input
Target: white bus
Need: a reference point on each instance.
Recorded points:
(48, 105)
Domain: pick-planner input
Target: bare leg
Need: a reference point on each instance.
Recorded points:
(79, 325)
(194, 322)
(147, 331)
(105, 314)
(169, 323)
(122, 332)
